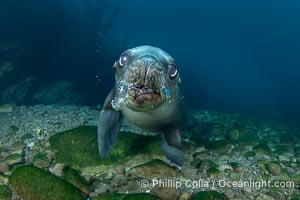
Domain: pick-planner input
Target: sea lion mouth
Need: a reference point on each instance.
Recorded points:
(142, 95)
(139, 97)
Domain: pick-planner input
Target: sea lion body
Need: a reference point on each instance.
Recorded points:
(147, 94)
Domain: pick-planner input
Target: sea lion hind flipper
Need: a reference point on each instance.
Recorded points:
(109, 125)
(173, 154)
(172, 147)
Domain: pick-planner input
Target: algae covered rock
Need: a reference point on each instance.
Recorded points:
(73, 177)
(117, 196)
(14, 159)
(219, 146)
(236, 167)
(208, 195)
(33, 183)
(263, 149)
(153, 169)
(213, 172)
(27, 136)
(78, 147)
(5, 193)
(166, 193)
(233, 135)
(6, 108)
(41, 160)
(247, 140)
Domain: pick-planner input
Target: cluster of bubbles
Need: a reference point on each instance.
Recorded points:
(121, 96)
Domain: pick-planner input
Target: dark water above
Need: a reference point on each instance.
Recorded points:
(234, 56)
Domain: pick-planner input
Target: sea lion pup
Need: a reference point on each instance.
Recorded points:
(147, 94)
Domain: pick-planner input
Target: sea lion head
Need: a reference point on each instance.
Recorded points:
(146, 77)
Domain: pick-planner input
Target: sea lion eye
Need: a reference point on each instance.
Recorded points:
(123, 59)
(172, 70)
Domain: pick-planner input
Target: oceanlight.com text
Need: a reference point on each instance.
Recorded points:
(202, 183)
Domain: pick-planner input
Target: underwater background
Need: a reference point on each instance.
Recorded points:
(233, 56)
(239, 63)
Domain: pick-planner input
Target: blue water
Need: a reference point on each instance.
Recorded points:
(234, 56)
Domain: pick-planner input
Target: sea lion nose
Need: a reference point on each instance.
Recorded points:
(147, 62)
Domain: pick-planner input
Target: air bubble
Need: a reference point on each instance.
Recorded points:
(166, 93)
(121, 96)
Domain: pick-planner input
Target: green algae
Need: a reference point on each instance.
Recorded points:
(236, 167)
(233, 135)
(250, 154)
(281, 149)
(262, 148)
(73, 177)
(27, 136)
(5, 193)
(247, 139)
(117, 196)
(206, 163)
(219, 145)
(40, 156)
(208, 195)
(32, 183)
(14, 129)
(213, 171)
(297, 150)
(79, 147)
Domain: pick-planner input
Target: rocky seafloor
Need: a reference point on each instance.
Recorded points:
(50, 152)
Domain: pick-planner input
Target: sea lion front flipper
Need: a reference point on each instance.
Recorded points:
(172, 146)
(109, 125)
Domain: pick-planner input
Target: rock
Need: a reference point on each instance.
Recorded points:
(185, 196)
(233, 134)
(153, 169)
(166, 193)
(4, 167)
(247, 140)
(40, 160)
(78, 147)
(73, 177)
(297, 150)
(236, 167)
(250, 154)
(234, 176)
(30, 182)
(205, 164)
(279, 178)
(119, 180)
(262, 149)
(219, 146)
(14, 159)
(295, 178)
(213, 172)
(281, 149)
(6, 108)
(274, 168)
(58, 169)
(14, 129)
(225, 167)
(19, 90)
(27, 136)
(262, 196)
(283, 158)
(3, 179)
(117, 196)
(208, 195)
(18, 146)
